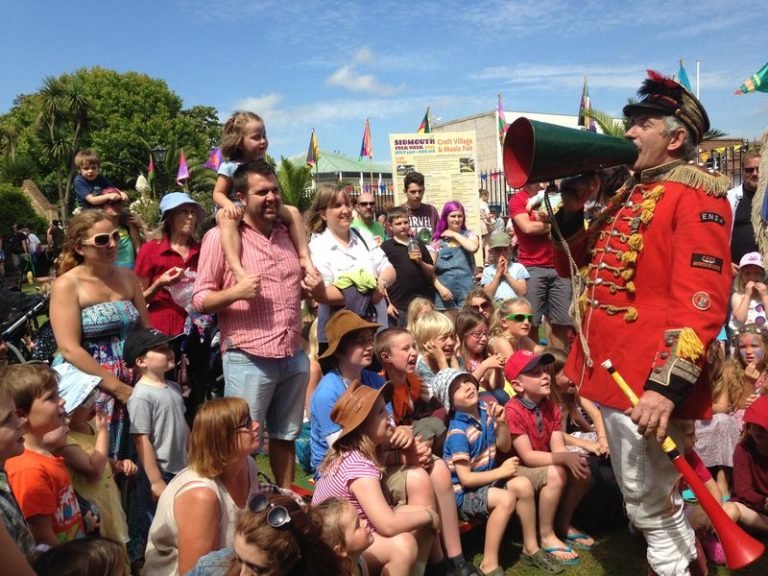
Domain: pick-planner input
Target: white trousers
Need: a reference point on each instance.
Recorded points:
(648, 479)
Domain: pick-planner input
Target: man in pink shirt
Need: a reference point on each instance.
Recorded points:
(259, 317)
(549, 294)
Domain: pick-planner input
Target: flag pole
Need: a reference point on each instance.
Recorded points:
(698, 71)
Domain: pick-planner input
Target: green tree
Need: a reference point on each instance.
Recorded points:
(16, 208)
(62, 120)
(294, 183)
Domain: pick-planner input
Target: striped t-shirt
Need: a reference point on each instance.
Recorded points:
(335, 484)
(470, 440)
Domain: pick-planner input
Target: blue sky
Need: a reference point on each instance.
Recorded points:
(305, 64)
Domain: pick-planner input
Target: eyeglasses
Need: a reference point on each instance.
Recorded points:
(278, 515)
(479, 335)
(750, 170)
(479, 307)
(102, 240)
(366, 203)
(246, 425)
(519, 317)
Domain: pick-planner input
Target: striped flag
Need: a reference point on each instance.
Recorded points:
(424, 127)
(502, 122)
(313, 152)
(366, 148)
(214, 159)
(183, 172)
(588, 123)
(757, 82)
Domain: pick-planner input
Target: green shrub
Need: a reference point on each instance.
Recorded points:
(16, 208)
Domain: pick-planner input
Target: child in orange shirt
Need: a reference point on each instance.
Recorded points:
(39, 479)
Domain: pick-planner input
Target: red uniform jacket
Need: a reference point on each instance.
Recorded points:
(656, 262)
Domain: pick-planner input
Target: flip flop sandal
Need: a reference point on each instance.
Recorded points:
(573, 540)
(543, 561)
(552, 550)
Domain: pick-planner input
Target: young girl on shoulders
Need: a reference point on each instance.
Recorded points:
(750, 295)
(243, 140)
(402, 536)
(472, 331)
(587, 436)
(512, 329)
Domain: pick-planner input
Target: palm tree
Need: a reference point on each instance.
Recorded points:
(62, 120)
(294, 182)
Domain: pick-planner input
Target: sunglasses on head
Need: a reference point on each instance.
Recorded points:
(102, 240)
(278, 515)
(519, 317)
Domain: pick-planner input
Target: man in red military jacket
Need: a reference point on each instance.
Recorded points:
(656, 267)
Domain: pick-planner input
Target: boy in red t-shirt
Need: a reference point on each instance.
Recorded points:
(561, 477)
(39, 479)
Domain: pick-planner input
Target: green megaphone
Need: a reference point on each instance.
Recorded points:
(537, 152)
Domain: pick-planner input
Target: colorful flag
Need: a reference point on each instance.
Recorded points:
(366, 148)
(424, 127)
(151, 169)
(758, 81)
(313, 152)
(183, 172)
(682, 77)
(588, 123)
(214, 159)
(502, 122)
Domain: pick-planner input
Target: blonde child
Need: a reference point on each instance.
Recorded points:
(749, 300)
(436, 342)
(716, 439)
(243, 140)
(85, 452)
(482, 489)
(402, 536)
(416, 309)
(586, 437)
(472, 331)
(512, 329)
(562, 478)
(346, 533)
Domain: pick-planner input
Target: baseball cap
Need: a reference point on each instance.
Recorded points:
(141, 340)
(524, 361)
(752, 259)
(757, 413)
(499, 240)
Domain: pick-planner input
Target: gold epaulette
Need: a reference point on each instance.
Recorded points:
(713, 183)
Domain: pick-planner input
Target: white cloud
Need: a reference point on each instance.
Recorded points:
(264, 106)
(350, 77)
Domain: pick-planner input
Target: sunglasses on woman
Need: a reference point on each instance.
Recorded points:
(480, 307)
(102, 240)
(277, 517)
(246, 425)
(519, 317)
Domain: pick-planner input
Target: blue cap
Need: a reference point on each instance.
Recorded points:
(173, 200)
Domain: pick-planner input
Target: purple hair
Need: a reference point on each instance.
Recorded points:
(442, 224)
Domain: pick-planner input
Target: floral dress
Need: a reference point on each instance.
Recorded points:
(105, 327)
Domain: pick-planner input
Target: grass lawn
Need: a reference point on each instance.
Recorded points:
(617, 553)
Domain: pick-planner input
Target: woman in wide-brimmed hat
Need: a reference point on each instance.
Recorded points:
(349, 354)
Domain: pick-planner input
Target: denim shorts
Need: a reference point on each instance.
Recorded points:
(273, 387)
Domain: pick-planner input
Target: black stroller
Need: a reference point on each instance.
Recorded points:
(23, 337)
